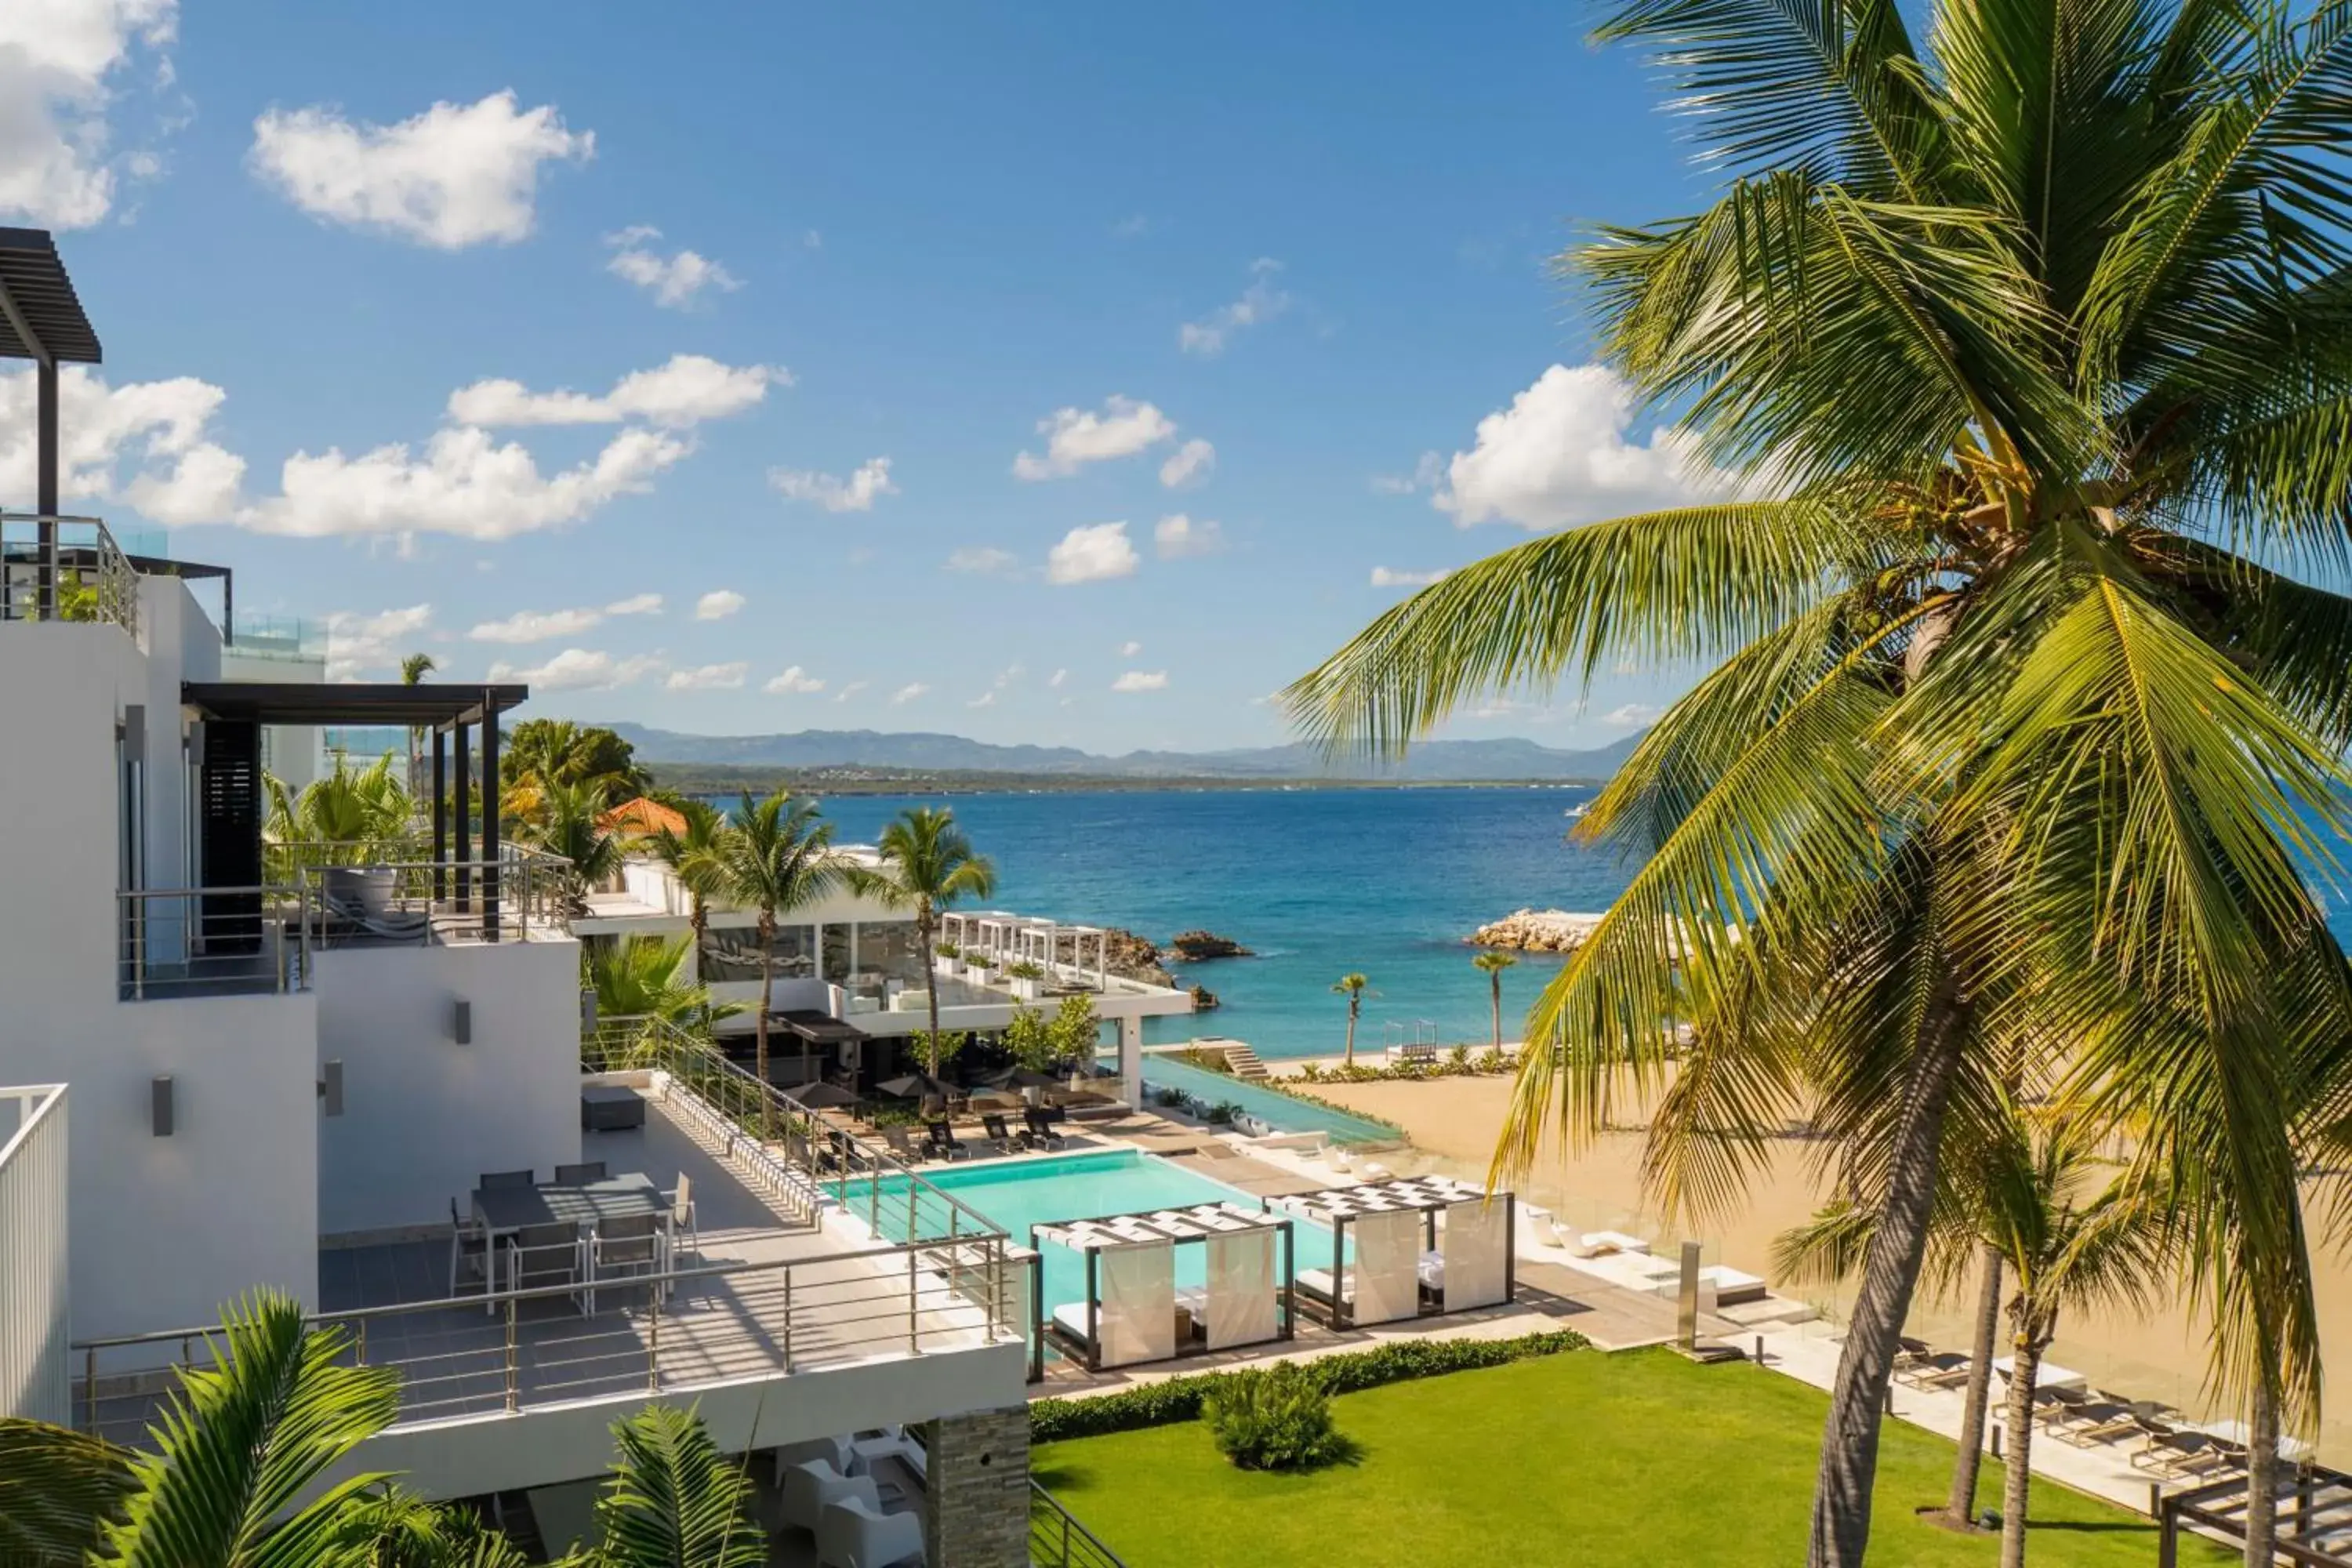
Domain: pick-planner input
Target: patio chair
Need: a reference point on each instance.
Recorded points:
(940, 1139)
(1942, 1368)
(854, 1534)
(395, 925)
(581, 1174)
(682, 1220)
(998, 1133)
(1041, 1129)
(469, 1250)
(834, 1451)
(810, 1484)
(541, 1255)
(2098, 1422)
(492, 1181)
(621, 1247)
(895, 1138)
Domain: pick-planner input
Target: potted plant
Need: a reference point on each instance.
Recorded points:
(1026, 977)
(945, 959)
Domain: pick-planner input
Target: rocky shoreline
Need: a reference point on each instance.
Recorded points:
(1198, 946)
(1536, 931)
(1130, 955)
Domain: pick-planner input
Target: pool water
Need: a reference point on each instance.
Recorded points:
(1018, 1194)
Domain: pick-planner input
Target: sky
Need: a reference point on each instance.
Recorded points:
(1076, 376)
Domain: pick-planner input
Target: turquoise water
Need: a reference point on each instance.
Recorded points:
(1285, 1112)
(1319, 882)
(1018, 1194)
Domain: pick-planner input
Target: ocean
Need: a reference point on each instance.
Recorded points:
(1317, 882)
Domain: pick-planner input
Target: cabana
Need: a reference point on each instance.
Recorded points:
(1134, 1311)
(1426, 1243)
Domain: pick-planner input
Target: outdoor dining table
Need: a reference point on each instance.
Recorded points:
(506, 1210)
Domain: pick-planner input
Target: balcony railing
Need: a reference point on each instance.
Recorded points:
(1058, 1541)
(58, 568)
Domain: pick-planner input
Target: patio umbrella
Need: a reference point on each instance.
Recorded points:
(822, 1096)
(918, 1086)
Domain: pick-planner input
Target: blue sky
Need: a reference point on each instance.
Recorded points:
(918, 235)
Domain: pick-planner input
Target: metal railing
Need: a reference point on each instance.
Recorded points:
(821, 1158)
(193, 941)
(58, 568)
(390, 882)
(1058, 1541)
(621, 1337)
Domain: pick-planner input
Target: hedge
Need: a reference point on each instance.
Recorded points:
(1351, 1372)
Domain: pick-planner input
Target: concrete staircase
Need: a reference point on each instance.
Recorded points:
(1243, 1062)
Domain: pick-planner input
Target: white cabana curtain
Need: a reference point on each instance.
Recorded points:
(1472, 1241)
(1388, 1249)
(1138, 1304)
(1240, 1288)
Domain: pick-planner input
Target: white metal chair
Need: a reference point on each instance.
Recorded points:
(853, 1533)
(812, 1484)
(681, 1218)
(624, 1245)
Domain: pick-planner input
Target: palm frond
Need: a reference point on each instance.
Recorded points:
(675, 1501)
(57, 1489)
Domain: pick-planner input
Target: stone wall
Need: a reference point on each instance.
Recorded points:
(976, 1491)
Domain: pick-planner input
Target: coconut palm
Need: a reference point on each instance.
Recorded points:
(689, 856)
(413, 671)
(1351, 986)
(2026, 1204)
(349, 818)
(2015, 390)
(1492, 966)
(570, 824)
(646, 978)
(927, 864)
(775, 856)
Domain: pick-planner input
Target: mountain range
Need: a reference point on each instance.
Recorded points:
(1432, 762)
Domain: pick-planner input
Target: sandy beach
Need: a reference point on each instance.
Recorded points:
(1452, 1123)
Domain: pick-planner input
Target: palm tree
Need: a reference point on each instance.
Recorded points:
(689, 856)
(776, 855)
(1492, 966)
(2016, 392)
(413, 671)
(242, 1442)
(927, 864)
(2064, 1253)
(1351, 986)
(645, 977)
(570, 824)
(363, 817)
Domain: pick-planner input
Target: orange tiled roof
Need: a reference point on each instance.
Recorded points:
(641, 818)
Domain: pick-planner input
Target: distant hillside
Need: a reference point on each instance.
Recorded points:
(1434, 762)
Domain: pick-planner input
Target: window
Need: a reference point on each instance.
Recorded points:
(887, 951)
(732, 952)
(839, 950)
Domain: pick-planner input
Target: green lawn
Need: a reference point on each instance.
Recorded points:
(1641, 1458)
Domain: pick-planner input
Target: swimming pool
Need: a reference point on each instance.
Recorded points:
(1018, 1194)
(1285, 1112)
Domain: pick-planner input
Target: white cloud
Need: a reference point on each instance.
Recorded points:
(537, 625)
(1130, 649)
(1180, 536)
(1387, 577)
(796, 680)
(457, 174)
(1190, 463)
(463, 484)
(1260, 303)
(677, 395)
(709, 678)
(1058, 677)
(1630, 716)
(850, 690)
(673, 280)
(1132, 226)
(858, 492)
(718, 605)
(985, 699)
(1559, 457)
(982, 561)
(1093, 553)
(579, 670)
(1141, 680)
(1075, 438)
(909, 692)
(636, 604)
(58, 59)
(1426, 476)
(359, 645)
(144, 442)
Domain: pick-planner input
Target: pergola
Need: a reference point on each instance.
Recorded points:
(41, 320)
(1422, 1244)
(1134, 1311)
(1009, 936)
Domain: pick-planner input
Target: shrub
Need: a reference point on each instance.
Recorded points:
(1024, 970)
(1222, 1114)
(1311, 1073)
(1274, 1418)
(1351, 1372)
(1167, 1098)
(946, 949)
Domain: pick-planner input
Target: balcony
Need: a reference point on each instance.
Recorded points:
(58, 568)
(217, 941)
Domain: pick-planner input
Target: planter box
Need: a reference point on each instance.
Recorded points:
(1025, 989)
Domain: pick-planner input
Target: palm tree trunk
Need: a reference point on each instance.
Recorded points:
(1351, 1032)
(2014, 1494)
(1497, 978)
(2262, 1480)
(1962, 1504)
(760, 1024)
(1849, 1467)
(700, 921)
(923, 921)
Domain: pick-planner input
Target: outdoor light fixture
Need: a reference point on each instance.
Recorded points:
(461, 1022)
(330, 1088)
(159, 1104)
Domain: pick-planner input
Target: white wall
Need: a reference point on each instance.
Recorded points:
(423, 1116)
(36, 1373)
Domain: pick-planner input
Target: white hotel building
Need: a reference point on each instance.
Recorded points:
(223, 1069)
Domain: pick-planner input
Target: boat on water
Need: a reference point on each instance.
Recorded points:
(1576, 810)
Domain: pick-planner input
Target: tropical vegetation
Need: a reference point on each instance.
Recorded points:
(237, 1477)
(647, 979)
(2015, 385)
(540, 754)
(688, 854)
(926, 863)
(1351, 986)
(569, 823)
(346, 817)
(775, 856)
(1492, 964)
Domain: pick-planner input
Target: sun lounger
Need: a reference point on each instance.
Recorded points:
(903, 1146)
(940, 1139)
(1939, 1369)
(2100, 1421)
(2181, 1454)
(1317, 1285)
(395, 925)
(1599, 1243)
(1041, 1129)
(998, 1133)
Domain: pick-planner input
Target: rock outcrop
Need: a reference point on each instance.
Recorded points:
(1536, 931)
(1204, 1000)
(1195, 946)
(1127, 955)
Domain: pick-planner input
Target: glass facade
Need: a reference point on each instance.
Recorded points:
(839, 953)
(887, 951)
(732, 952)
